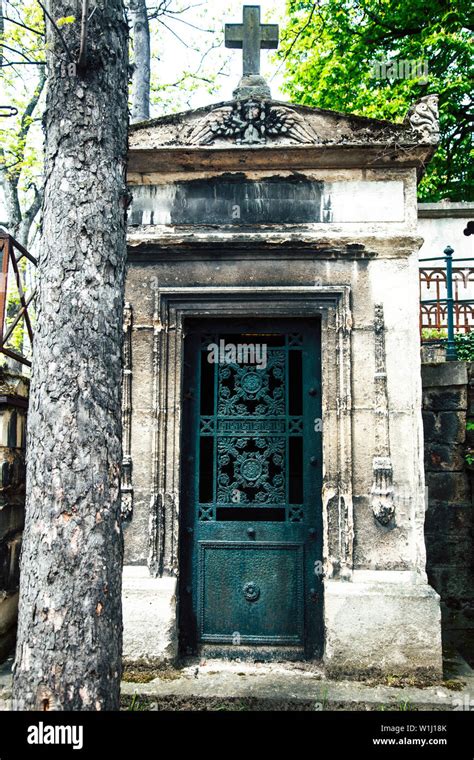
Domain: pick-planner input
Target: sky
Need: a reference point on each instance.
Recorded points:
(172, 57)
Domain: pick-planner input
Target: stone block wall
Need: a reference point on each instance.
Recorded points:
(448, 404)
(13, 407)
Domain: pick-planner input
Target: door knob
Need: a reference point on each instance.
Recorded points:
(313, 461)
(312, 532)
(313, 391)
(251, 532)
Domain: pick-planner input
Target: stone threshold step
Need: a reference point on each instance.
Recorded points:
(219, 685)
(244, 686)
(248, 693)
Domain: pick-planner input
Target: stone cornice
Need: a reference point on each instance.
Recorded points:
(151, 243)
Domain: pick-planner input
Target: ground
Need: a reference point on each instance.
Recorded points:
(224, 685)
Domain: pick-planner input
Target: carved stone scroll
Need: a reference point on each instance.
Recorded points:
(423, 118)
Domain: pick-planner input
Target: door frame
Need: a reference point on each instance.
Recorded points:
(173, 306)
(300, 538)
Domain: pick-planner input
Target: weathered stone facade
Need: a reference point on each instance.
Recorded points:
(210, 189)
(13, 404)
(448, 403)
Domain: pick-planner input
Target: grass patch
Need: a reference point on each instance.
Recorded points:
(454, 684)
(143, 672)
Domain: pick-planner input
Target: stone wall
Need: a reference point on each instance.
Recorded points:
(441, 224)
(13, 404)
(448, 403)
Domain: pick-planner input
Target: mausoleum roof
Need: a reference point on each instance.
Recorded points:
(255, 131)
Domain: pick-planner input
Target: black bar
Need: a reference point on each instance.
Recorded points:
(374, 733)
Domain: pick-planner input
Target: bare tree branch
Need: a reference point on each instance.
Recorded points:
(187, 8)
(22, 63)
(183, 42)
(18, 52)
(31, 212)
(28, 112)
(57, 30)
(188, 23)
(81, 61)
(212, 47)
(296, 38)
(23, 26)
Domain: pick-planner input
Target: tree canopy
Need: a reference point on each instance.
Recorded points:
(329, 49)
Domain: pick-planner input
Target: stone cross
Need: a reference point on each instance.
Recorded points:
(251, 37)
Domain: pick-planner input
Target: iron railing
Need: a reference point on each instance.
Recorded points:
(11, 254)
(450, 313)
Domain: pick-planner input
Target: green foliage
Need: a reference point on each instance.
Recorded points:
(136, 705)
(20, 137)
(465, 346)
(464, 342)
(431, 333)
(329, 50)
(64, 20)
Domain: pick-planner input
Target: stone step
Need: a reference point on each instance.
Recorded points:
(219, 685)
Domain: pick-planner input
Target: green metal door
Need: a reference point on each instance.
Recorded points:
(251, 526)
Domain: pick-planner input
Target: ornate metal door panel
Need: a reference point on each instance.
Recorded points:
(251, 530)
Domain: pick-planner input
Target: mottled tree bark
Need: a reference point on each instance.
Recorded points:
(141, 61)
(70, 626)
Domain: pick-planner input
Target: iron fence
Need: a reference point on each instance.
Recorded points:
(448, 312)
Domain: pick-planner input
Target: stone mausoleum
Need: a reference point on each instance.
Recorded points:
(273, 485)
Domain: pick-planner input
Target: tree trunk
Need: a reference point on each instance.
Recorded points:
(141, 61)
(70, 622)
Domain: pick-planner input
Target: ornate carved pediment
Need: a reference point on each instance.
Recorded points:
(252, 122)
(256, 122)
